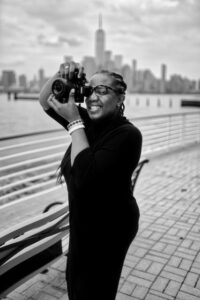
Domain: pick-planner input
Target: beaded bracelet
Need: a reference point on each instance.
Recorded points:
(79, 121)
(75, 127)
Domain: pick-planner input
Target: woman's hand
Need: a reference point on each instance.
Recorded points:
(69, 110)
(67, 70)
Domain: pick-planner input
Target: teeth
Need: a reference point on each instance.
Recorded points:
(94, 108)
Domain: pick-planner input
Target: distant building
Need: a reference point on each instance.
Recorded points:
(108, 62)
(150, 82)
(118, 59)
(127, 75)
(99, 45)
(163, 78)
(41, 78)
(23, 81)
(34, 85)
(89, 65)
(8, 79)
(134, 74)
(68, 59)
(175, 84)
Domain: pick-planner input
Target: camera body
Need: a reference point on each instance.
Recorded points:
(61, 88)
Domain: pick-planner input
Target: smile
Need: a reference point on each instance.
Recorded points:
(94, 108)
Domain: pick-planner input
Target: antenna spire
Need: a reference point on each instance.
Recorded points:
(100, 21)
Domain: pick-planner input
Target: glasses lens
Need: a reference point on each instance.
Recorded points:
(101, 90)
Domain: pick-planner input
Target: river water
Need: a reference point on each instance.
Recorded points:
(26, 116)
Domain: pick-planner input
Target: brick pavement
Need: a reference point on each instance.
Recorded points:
(163, 262)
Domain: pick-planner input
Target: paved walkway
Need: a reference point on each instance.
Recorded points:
(163, 262)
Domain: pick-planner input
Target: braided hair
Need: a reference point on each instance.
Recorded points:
(120, 85)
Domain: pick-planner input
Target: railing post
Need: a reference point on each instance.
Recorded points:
(198, 128)
(183, 130)
(169, 132)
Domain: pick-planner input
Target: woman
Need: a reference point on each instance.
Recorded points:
(97, 167)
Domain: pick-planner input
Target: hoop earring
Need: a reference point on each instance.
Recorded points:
(121, 109)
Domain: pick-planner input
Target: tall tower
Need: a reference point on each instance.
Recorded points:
(99, 45)
(163, 78)
(134, 72)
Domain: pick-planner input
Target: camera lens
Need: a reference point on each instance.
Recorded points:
(58, 87)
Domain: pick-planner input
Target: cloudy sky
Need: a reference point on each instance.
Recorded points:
(38, 33)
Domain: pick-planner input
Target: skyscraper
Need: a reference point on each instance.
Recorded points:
(108, 63)
(41, 78)
(23, 81)
(8, 78)
(99, 45)
(118, 61)
(134, 73)
(89, 65)
(163, 78)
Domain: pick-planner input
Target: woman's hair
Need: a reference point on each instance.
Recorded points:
(118, 80)
(120, 85)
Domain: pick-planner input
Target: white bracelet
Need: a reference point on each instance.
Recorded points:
(76, 122)
(75, 127)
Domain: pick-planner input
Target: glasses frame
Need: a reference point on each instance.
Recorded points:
(93, 90)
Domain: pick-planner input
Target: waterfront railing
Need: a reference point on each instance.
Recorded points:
(29, 163)
(168, 131)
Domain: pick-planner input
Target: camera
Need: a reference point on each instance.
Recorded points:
(61, 88)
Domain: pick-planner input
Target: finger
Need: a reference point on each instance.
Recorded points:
(56, 102)
(81, 71)
(72, 96)
(72, 93)
(53, 102)
(66, 70)
(72, 69)
(78, 66)
(49, 101)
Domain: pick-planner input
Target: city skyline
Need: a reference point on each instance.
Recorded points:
(137, 80)
(134, 29)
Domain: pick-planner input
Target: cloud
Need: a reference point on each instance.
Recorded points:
(73, 42)
(65, 17)
(155, 23)
(57, 41)
(149, 30)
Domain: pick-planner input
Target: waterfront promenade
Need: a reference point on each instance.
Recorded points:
(164, 260)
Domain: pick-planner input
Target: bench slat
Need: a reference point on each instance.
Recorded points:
(33, 250)
(34, 222)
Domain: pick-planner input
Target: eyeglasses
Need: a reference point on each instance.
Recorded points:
(99, 90)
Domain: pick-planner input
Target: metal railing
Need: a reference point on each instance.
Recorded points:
(168, 131)
(26, 171)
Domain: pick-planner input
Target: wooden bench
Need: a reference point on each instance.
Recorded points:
(136, 173)
(30, 247)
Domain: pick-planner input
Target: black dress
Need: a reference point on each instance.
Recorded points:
(103, 212)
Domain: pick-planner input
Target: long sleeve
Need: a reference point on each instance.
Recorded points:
(112, 161)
